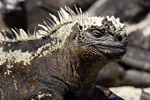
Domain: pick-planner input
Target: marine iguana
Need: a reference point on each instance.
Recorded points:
(60, 61)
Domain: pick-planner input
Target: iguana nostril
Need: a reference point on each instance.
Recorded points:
(118, 38)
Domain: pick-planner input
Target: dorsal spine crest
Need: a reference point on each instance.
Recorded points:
(65, 15)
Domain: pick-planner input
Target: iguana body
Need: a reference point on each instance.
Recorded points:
(62, 61)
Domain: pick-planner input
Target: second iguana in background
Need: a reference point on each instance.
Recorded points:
(60, 61)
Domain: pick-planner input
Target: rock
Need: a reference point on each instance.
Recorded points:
(111, 75)
(13, 14)
(129, 92)
(145, 95)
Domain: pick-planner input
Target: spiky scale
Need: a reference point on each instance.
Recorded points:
(55, 19)
(71, 12)
(23, 34)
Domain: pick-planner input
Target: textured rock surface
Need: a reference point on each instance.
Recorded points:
(34, 10)
(129, 93)
(126, 10)
(13, 14)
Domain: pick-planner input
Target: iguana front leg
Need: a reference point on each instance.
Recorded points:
(51, 90)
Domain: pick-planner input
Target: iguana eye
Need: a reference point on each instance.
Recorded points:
(98, 33)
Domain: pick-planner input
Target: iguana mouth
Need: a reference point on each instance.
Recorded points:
(111, 50)
(118, 45)
(113, 47)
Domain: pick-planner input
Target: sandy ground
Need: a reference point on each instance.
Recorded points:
(128, 92)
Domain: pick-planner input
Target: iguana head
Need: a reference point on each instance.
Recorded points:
(100, 38)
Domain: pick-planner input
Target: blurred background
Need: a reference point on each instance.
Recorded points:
(126, 78)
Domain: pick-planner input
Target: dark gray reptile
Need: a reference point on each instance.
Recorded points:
(60, 61)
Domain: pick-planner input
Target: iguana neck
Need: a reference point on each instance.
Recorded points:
(65, 65)
(78, 73)
(87, 70)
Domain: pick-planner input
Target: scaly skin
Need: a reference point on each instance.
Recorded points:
(61, 64)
